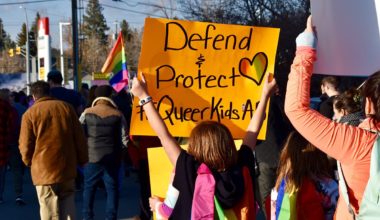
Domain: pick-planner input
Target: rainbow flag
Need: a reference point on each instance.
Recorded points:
(315, 200)
(116, 63)
(286, 204)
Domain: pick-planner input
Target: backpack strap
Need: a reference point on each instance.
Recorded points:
(369, 207)
(344, 191)
(375, 167)
(203, 198)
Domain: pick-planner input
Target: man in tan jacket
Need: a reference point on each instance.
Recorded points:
(52, 143)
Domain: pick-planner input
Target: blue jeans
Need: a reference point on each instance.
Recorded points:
(93, 173)
(17, 168)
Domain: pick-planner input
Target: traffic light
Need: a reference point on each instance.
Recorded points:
(10, 52)
(18, 50)
(32, 36)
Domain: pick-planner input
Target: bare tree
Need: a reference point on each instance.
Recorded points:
(133, 48)
(220, 11)
(9, 64)
(94, 55)
(166, 7)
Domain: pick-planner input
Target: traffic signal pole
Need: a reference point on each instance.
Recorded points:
(27, 64)
(27, 55)
(74, 18)
(64, 75)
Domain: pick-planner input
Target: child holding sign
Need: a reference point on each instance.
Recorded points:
(212, 163)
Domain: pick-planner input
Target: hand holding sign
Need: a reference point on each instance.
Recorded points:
(270, 85)
(139, 88)
(308, 38)
(309, 25)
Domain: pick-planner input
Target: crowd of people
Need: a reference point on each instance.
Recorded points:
(322, 165)
(70, 141)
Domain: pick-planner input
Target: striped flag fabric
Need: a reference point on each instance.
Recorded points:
(286, 204)
(116, 63)
(316, 199)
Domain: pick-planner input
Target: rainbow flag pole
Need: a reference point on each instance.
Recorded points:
(117, 64)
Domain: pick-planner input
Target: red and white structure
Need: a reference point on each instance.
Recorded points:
(44, 49)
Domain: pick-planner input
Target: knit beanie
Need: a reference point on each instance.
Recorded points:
(55, 76)
(103, 91)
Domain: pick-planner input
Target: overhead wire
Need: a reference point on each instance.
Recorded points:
(151, 5)
(129, 10)
(27, 2)
(159, 6)
(47, 13)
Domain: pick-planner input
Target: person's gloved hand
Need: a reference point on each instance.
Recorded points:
(308, 37)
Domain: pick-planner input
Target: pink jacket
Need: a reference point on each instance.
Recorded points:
(350, 145)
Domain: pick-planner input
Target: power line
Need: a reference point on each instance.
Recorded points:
(27, 2)
(48, 13)
(129, 4)
(129, 10)
(159, 6)
(152, 5)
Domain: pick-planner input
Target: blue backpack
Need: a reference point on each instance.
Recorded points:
(370, 204)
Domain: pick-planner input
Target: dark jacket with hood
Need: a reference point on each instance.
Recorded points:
(105, 128)
(229, 185)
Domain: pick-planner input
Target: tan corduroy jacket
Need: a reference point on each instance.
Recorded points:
(52, 141)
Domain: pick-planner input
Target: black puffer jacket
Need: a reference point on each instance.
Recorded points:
(105, 128)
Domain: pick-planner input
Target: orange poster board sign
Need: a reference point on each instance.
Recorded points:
(200, 71)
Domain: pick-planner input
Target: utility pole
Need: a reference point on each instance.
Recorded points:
(116, 33)
(74, 16)
(27, 53)
(61, 44)
(114, 36)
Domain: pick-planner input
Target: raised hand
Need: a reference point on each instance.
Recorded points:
(309, 36)
(270, 85)
(309, 26)
(139, 88)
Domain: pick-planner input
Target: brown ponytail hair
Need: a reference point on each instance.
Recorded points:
(350, 101)
(300, 159)
(371, 90)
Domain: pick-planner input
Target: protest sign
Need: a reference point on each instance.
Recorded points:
(204, 71)
(348, 37)
(160, 169)
(100, 76)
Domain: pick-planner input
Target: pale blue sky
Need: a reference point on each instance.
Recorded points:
(60, 11)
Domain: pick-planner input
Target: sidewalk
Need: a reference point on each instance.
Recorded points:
(128, 203)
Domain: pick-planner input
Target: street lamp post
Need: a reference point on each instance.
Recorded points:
(74, 17)
(116, 33)
(27, 53)
(61, 44)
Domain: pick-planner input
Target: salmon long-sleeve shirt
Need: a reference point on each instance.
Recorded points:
(350, 145)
